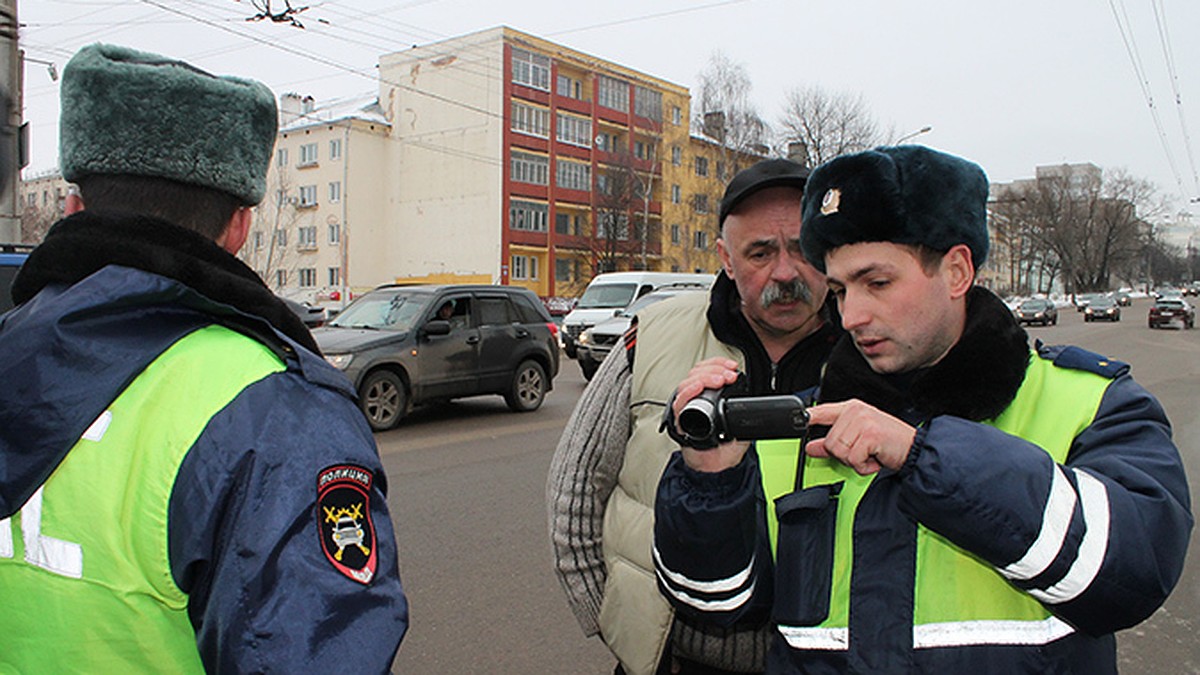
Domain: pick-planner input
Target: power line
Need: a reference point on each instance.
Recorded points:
(1168, 55)
(1126, 30)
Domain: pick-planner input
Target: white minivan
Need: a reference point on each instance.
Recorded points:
(611, 292)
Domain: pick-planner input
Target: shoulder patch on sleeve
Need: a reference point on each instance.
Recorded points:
(1076, 358)
(344, 520)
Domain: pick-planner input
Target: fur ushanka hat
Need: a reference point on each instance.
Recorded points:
(906, 194)
(130, 112)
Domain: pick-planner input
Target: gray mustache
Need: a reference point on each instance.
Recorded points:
(786, 291)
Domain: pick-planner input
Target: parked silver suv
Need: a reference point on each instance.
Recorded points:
(402, 346)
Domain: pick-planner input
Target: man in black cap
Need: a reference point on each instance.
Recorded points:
(967, 503)
(764, 316)
(185, 484)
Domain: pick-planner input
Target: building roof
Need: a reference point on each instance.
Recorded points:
(364, 107)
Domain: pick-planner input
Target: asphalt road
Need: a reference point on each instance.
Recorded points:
(467, 491)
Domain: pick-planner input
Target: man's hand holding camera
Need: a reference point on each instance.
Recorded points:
(714, 373)
(860, 436)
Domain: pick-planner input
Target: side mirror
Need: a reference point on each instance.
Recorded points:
(436, 327)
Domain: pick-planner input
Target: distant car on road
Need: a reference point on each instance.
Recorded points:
(1082, 300)
(1123, 299)
(596, 342)
(1169, 309)
(1037, 310)
(406, 345)
(1102, 308)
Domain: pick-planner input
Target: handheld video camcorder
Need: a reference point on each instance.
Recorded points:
(713, 417)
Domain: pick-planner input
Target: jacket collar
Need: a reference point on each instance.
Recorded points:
(86, 242)
(976, 380)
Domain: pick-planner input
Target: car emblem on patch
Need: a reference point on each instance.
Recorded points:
(829, 204)
(344, 520)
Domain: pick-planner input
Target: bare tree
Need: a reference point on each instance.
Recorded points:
(1088, 226)
(619, 190)
(726, 113)
(821, 125)
(270, 245)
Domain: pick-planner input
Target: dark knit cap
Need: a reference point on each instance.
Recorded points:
(130, 112)
(906, 194)
(760, 176)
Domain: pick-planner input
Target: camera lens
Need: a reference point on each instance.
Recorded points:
(697, 419)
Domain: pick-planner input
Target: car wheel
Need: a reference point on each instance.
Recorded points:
(383, 399)
(528, 387)
(1055, 321)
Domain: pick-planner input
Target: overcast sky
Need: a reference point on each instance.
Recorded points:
(1010, 85)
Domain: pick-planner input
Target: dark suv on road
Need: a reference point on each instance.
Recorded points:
(402, 346)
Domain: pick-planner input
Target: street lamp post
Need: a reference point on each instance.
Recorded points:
(923, 130)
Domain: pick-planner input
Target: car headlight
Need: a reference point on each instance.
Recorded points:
(585, 337)
(339, 361)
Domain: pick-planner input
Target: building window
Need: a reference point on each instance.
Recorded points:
(574, 175)
(613, 94)
(606, 142)
(281, 157)
(563, 269)
(306, 238)
(531, 70)
(641, 150)
(280, 237)
(335, 233)
(720, 170)
(602, 186)
(258, 241)
(647, 103)
(700, 203)
(676, 155)
(612, 226)
(335, 192)
(527, 168)
(675, 234)
(524, 267)
(280, 278)
(701, 240)
(335, 148)
(527, 119)
(308, 154)
(701, 166)
(676, 194)
(568, 224)
(308, 277)
(530, 216)
(570, 88)
(335, 276)
(676, 115)
(574, 130)
(308, 195)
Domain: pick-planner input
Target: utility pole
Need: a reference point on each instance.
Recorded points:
(10, 109)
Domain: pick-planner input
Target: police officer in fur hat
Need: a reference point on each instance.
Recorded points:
(964, 502)
(163, 504)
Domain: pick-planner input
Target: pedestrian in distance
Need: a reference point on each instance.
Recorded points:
(966, 503)
(766, 314)
(185, 484)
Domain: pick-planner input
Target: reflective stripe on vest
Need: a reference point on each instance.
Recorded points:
(86, 584)
(958, 599)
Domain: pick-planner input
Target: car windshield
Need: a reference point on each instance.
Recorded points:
(1103, 303)
(1169, 304)
(382, 310)
(607, 296)
(1033, 305)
